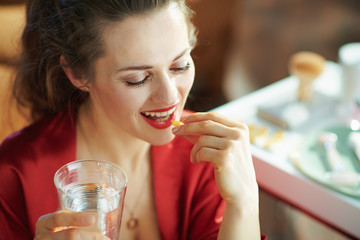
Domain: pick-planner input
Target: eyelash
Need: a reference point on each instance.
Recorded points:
(140, 83)
(182, 69)
(148, 77)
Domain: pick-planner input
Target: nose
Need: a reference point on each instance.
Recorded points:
(165, 89)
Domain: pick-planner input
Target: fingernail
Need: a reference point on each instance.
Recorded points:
(184, 118)
(175, 129)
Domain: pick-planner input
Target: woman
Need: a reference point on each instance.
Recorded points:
(105, 80)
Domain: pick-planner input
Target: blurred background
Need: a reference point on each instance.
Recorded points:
(243, 45)
(246, 44)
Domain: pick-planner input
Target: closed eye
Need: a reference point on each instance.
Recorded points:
(181, 69)
(139, 83)
(148, 77)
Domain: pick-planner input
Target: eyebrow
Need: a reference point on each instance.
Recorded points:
(145, 67)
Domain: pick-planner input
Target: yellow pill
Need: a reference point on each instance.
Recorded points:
(177, 123)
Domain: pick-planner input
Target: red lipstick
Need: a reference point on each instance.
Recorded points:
(160, 121)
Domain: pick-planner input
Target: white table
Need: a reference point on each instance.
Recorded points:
(275, 172)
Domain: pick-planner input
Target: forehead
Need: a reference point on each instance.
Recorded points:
(157, 35)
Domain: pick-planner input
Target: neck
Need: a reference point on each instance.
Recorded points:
(100, 139)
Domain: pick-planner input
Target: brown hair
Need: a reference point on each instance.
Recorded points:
(69, 28)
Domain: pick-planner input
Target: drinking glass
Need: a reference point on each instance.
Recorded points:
(95, 187)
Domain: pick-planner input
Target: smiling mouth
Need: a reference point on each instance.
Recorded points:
(159, 116)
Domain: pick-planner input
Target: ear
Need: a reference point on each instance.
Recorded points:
(78, 80)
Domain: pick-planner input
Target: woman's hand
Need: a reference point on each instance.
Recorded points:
(224, 143)
(66, 225)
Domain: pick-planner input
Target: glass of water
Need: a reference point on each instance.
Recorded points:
(95, 187)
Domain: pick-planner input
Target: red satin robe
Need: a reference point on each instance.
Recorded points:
(188, 205)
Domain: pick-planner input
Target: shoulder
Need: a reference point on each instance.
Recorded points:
(19, 142)
(28, 133)
(39, 138)
(28, 161)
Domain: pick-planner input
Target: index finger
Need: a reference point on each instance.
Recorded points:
(65, 219)
(211, 123)
(213, 116)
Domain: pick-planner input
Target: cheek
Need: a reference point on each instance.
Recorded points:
(121, 101)
(186, 82)
(130, 101)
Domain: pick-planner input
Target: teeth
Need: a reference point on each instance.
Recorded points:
(160, 114)
(163, 119)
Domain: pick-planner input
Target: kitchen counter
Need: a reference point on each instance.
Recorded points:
(276, 173)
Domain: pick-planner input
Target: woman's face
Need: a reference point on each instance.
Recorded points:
(141, 83)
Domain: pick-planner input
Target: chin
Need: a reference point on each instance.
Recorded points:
(158, 141)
